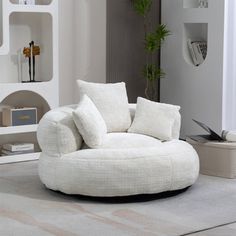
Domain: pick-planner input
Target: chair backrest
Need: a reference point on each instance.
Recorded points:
(57, 134)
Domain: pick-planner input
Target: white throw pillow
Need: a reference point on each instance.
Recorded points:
(89, 122)
(154, 119)
(112, 102)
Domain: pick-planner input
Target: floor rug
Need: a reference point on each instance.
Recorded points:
(28, 208)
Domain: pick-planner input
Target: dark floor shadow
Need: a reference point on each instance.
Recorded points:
(127, 199)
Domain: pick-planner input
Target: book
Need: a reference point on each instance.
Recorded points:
(16, 147)
(9, 153)
(198, 51)
(194, 58)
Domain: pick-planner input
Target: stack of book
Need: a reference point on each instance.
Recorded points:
(11, 149)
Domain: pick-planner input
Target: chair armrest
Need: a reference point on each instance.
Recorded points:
(57, 134)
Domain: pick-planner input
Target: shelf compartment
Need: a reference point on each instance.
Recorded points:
(24, 99)
(195, 4)
(193, 32)
(22, 137)
(37, 2)
(24, 28)
(19, 158)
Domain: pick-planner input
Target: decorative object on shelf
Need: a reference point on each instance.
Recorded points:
(23, 2)
(153, 39)
(18, 147)
(9, 153)
(31, 52)
(21, 61)
(198, 51)
(19, 116)
(202, 3)
(11, 149)
(27, 2)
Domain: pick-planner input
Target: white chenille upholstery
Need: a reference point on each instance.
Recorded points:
(89, 122)
(125, 164)
(105, 97)
(155, 119)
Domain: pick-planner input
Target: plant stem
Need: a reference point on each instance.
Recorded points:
(147, 89)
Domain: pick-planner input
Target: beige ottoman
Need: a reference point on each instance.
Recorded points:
(216, 158)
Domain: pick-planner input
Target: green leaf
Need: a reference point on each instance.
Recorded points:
(162, 32)
(152, 72)
(151, 42)
(142, 7)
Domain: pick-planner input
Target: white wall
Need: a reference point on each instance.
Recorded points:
(198, 90)
(82, 45)
(229, 82)
(0, 23)
(91, 40)
(67, 61)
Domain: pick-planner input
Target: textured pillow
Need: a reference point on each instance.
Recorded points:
(154, 119)
(111, 101)
(89, 122)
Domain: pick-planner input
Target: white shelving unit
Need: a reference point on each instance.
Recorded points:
(207, 92)
(18, 129)
(19, 158)
(19, 25)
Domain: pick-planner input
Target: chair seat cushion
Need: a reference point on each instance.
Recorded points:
(127, 140)
(168, 166)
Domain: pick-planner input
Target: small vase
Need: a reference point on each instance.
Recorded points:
(202, 3)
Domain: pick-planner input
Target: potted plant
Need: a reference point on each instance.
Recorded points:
(154, 36)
